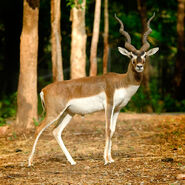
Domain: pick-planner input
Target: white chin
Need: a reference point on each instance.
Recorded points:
(139, 70)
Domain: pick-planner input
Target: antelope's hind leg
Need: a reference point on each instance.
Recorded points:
(43, 125)
(57, 132)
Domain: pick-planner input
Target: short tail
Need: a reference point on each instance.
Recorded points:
(42, 102)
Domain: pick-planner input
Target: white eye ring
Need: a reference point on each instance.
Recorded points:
(133, 56)
(144, 55)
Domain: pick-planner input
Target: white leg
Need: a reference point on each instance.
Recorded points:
(105, 152)
(57, 132)
(48, 120)
(112, 128)
(114, 121)
(109, 118)
(30, 159)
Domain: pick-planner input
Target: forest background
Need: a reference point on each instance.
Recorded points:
(166, 85)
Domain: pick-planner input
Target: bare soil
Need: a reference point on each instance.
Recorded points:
(147, 149)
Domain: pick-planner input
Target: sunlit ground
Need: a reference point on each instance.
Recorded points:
(147, 149)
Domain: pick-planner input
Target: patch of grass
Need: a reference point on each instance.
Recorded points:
(2, 122)
(36, 123)
(7, 108)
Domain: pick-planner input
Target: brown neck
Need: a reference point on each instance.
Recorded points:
(133, 77)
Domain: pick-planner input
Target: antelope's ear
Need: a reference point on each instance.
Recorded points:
(123, 51)
(152, 51)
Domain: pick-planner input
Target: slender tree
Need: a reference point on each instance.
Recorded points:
(142, 9)
(57, 68)
(141, 6)
(179, 78)
(95, 37)
(106, 36)
(27, 87)
(78, 40)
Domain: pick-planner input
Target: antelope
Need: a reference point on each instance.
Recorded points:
(109, 92)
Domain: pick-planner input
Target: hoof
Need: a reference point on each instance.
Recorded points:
(29, 162)
(109, 161)
(73, 163)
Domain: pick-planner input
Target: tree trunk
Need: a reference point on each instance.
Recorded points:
(57, 68)
(27, 87)
(95, 37)
(179, 77)
(141, 6)
(78, 41)
(106, 36)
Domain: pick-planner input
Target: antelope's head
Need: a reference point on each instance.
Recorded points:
(138, 57)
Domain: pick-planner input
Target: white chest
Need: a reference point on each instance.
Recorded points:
(123, 95)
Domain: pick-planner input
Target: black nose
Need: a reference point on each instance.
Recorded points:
(139, 66)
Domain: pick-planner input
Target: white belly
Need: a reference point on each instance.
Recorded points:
(87, 105)
(98, 102)
(123, 95)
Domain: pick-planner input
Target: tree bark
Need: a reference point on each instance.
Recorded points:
(141, 6)
(95, 37)
(179, 76)
(57, 68)
(27, 86)
(106, 37)
(78, 41)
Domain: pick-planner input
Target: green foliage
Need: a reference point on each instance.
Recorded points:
(138, 102)
(155, 97)
(71, 3)
(7, 108)
(36, 123)
(173, 105)
(2, 121)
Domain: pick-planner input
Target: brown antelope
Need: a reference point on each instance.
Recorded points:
(109, 92)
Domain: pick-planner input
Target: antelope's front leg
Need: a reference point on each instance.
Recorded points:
(108, 134)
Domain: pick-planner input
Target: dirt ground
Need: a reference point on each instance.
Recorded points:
(147, 149)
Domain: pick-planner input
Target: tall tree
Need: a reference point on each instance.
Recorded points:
(141, 6)
(95, 37)
(57, 68)
(78, 40)
(179, 78)
(106, 37)
(27, 87)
